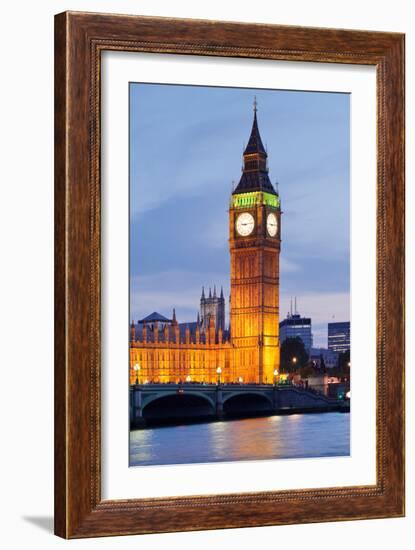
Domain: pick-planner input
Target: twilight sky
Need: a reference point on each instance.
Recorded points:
(186, 146)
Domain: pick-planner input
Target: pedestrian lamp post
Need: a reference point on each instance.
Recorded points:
(276, 373)
(240, 380)
(294, 360)
(188, 378)
(137, 369)
(218, 372)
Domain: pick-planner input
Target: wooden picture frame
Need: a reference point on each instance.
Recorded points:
(79, 40)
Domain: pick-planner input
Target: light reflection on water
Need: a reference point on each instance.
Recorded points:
(292, 436)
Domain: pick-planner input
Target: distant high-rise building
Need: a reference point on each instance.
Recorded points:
(339, 336)
(296, 326)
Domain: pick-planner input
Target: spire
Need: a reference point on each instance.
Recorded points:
(174, 316)
(255, 144)
(221, 292)
(214, 291)
(255, 169)
(198, 319)
(203, 293)
(210, 293)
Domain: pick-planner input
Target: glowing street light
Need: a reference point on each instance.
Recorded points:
(137, 369)
(276, 373)
(218, 372)
(240, 380)
(294, 360)
(188, 378)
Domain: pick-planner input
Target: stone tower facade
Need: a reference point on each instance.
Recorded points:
(254, 242)
(162, 350)
(212, 307)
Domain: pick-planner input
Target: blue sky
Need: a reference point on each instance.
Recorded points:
(186, 146)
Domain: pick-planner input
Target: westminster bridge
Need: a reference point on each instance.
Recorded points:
(152, 403)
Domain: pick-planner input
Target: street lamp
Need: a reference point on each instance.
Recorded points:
(240, 379)
(276, 373)
(137, 369)
(294, 360)
(188, 378)
(218, 372)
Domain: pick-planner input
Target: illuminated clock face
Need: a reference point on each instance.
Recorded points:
(272, 224)
(245, 224)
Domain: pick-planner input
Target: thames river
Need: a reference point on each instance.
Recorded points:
(291, 436)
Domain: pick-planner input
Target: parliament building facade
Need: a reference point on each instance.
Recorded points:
(163, 350)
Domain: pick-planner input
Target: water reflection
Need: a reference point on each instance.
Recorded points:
(292, 436)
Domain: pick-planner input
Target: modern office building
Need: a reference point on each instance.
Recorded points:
(294, 325)
(339, 336)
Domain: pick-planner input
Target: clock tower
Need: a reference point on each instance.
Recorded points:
(254, 243)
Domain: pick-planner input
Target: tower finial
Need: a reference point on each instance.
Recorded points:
(255, 104)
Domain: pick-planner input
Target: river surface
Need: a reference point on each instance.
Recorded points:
(291, 436)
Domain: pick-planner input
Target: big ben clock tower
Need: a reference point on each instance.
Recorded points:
(254, 242)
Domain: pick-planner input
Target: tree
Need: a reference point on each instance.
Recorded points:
(293, 355)
(307, 371)
(342, 369)
(344, 360)
(322, 364)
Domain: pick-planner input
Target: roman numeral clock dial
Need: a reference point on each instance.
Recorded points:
(245, 224)
(272, 224)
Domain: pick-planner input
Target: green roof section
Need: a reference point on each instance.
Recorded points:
(247, 200)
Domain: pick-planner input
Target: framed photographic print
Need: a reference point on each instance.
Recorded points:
(229, 247)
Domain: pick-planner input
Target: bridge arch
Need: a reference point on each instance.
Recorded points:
(247, 402)
(178, 405)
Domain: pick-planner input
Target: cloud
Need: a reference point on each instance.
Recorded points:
(288, 266)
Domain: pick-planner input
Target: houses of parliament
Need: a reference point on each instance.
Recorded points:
(163, 350)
